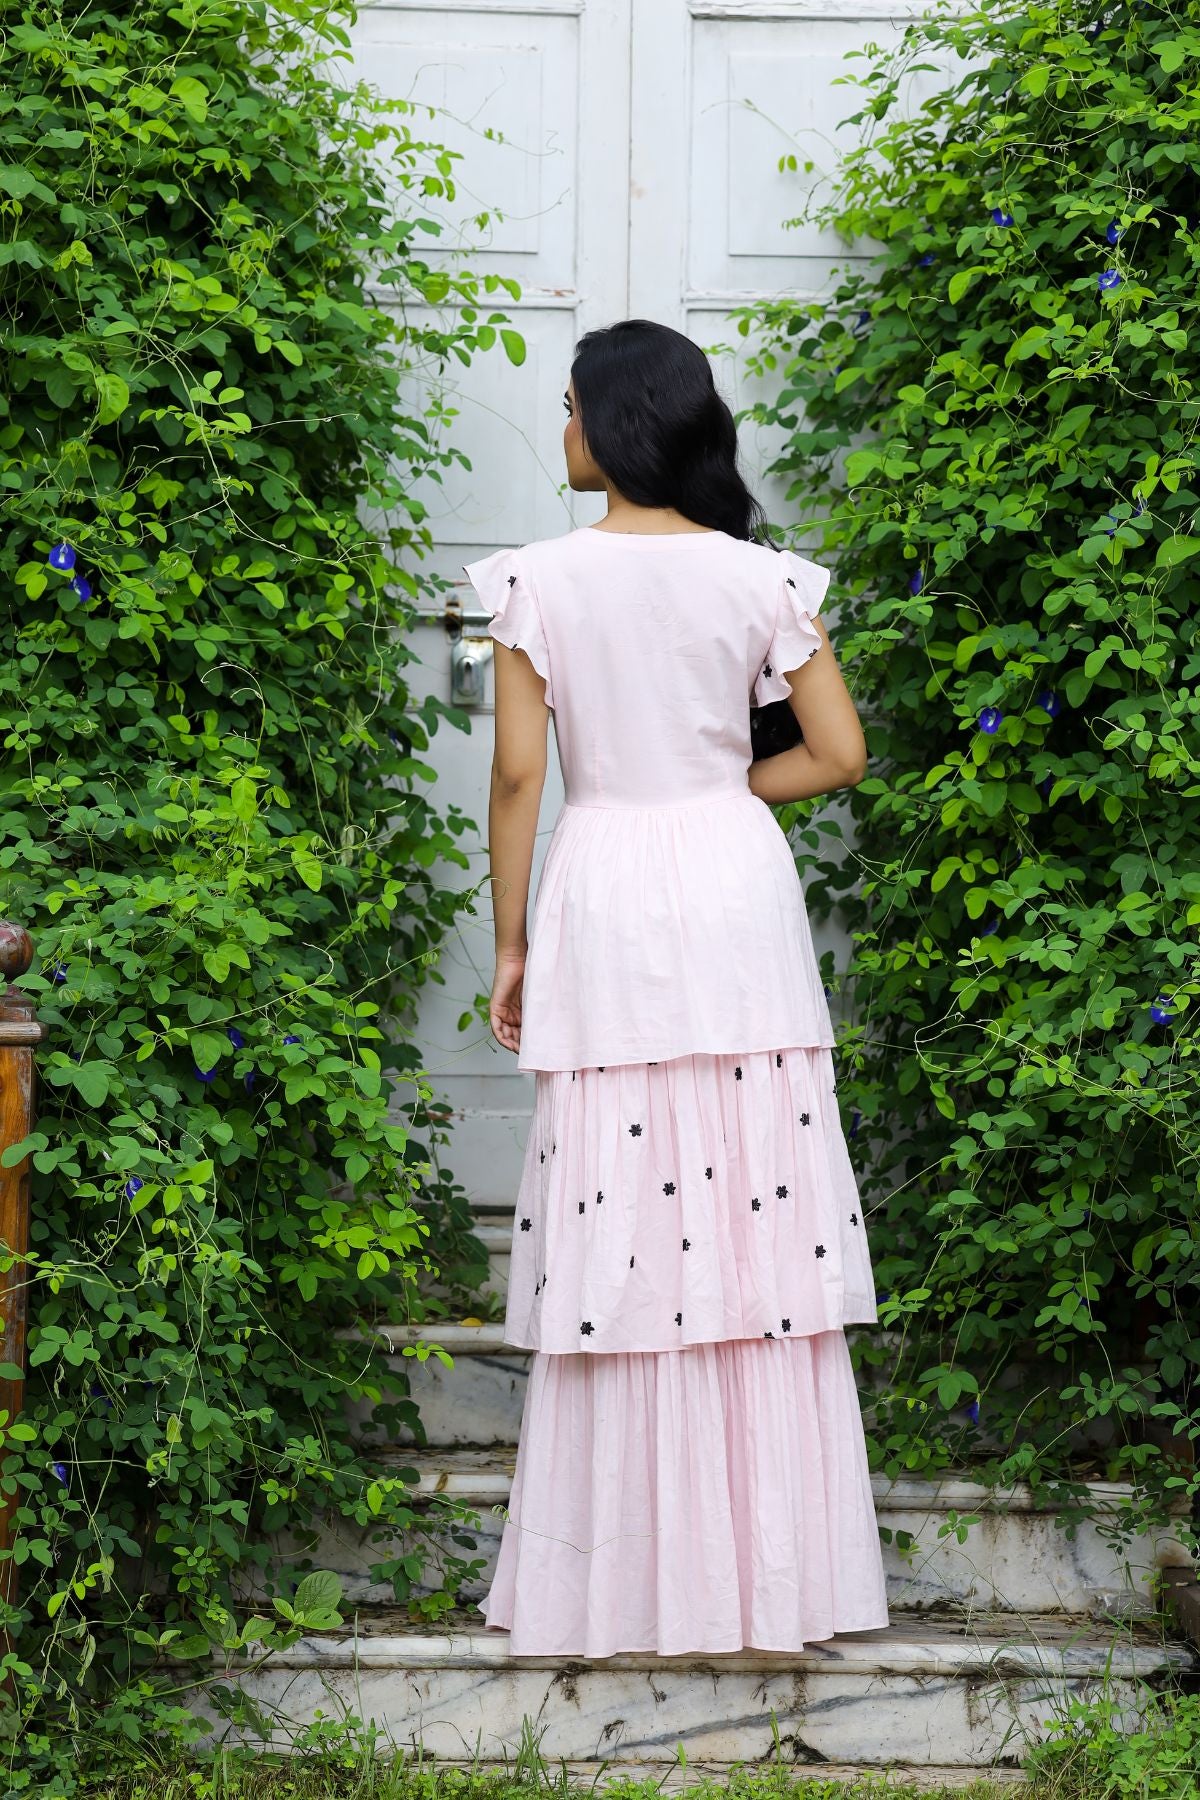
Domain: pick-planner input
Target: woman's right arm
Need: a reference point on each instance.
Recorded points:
(834, 752)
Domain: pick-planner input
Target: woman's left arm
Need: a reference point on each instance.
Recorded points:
(518, 777)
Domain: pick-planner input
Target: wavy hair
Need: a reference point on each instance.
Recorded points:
(652, 419)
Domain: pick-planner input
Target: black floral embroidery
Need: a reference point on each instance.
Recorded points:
(543, 1277)
(668, 1187)
(581, 1206)
(603, 1066)
(635, 1131)
(687, 1243)
(553, 1148)
(769, 1334)
(511, 579)
(755, 1205)
(541, 1156)
(536, 1286)
(789, 581)
(778, 1060)
(586, 1328)
(631, 1262)
(737, 1073)
(526, 1224)
(820, 1249)
(854, 1218)
(814, 650)
(574, 1072)
(804, 1118)
(787, 1324)
(781, 1192)
(708, 1172)
(679, 1318)
(599, 1195)
(766, 668)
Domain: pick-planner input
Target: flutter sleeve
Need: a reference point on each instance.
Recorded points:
(802, 588)
(502, 582)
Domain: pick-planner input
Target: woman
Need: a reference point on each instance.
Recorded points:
(688, 1241)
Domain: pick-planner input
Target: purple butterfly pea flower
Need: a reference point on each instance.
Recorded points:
(926, 261)
(1049, 701)
(1113, 231)
(133, 1186)
(916, 581)
(1160, 1011)
(235, 1037)
(973, 1411)
(1000, 217)
(62, 556)
(291, 1039)
(1109, 279)
(988, 929)
(60, 1470)
(205, 1074)
(82, 586)
(59, 972)
(248, 1079)
(854, 1118)
(989, 720)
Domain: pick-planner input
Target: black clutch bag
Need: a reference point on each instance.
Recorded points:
(773, 727)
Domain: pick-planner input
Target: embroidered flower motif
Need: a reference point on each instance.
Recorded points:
(789, 581)
(737, 1073)
(631, 1262)
(708, 1172)
(586, 1328)
(755, 1205)
(778, 1060)
(536, 1286)
(854, 1218)
(804, 1118)
(599, 1195)
(553, 1148)
(541, 1156)
(635, 1131)
(786, 1323)
(581, 1206)
(668, 1187)
(820, 1250)
(781, 1193)
(526, 1224)
(543, 1277)
(769, 1334)
(767, 670)
(511, 579)
(679, 1318)
(687, 1243)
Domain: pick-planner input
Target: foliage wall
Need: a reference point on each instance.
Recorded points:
(993, 424)
(215, 819)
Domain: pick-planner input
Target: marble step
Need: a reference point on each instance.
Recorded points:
(1011, 1557)
(924, 1692)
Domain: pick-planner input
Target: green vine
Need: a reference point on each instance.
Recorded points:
(994, 420)
(216, 823)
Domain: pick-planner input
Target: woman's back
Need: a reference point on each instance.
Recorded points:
(651, 646)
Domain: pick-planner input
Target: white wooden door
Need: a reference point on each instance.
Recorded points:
(632, 148)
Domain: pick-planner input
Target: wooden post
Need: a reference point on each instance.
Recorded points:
(20, 1031)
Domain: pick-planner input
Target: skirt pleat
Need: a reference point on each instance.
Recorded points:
(691, 1474)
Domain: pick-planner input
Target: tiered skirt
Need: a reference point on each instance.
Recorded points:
(691, 1475)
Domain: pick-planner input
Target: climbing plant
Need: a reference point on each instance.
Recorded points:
(990, 426)
(216, 822)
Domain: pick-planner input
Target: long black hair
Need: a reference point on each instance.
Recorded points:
(653, 420)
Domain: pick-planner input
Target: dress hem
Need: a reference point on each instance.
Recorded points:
(820, 1637)
(621, 1058)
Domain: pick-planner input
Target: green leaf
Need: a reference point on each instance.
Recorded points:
(1174, 550)
(113, 393)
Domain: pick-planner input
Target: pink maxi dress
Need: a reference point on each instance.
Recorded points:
(688, 1242)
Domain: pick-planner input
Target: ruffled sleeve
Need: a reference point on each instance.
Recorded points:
(502, 582)
(802, 587)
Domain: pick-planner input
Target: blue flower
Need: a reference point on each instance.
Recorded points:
(82, 586)
(1050, 702)
(828, 989)
(60, 1469)
(1046, 783)
(291, 1039)
(1108, 279)
(855, 1117)
(880, 1298)
(59, 972)
(864, 318)
(989, 719)
(917, 581)
(62, 556)
(133, 1186)
(248, 1079)
(988, 929)
(235, 1037)
(973, 1412)
(1160, 1011)
(1113, 231)
(205, 1074)
(924, 262)
(1000, 217)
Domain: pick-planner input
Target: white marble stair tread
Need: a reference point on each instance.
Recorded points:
(923, 1693)
(676, 1778)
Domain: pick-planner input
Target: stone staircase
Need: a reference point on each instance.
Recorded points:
(998, 1620)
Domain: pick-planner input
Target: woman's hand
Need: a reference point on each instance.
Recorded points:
(505, 1008)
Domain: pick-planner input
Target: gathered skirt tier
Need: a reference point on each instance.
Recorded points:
(691, 1476)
